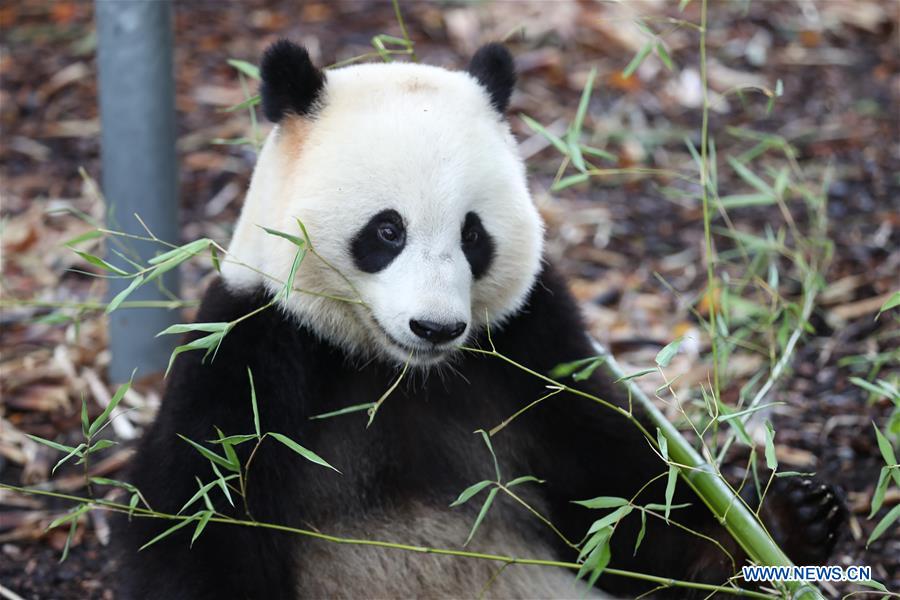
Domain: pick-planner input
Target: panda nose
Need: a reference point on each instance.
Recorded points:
(437, 333)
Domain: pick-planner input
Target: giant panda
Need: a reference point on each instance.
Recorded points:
(408, 182)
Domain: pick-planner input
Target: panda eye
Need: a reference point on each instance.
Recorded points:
(477, 245)
(390, 234)
(378, 242)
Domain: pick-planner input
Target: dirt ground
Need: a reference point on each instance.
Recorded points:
(618, 239)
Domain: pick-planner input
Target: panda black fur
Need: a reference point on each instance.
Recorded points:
(476, 248)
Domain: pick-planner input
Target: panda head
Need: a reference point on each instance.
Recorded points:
(410, 186)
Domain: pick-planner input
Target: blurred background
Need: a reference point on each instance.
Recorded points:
(631, 243)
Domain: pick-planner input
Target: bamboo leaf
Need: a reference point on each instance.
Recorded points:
(297, 241)
(248, 103)
(640, 373)
(637, 60)
(591, 151)
(170, 530)
(603, 555)
(90, 235)
(663, 444)
(883, 525)
(305, 453)
(214, 256)
(555, 140)
(602, 502)
(575, 153)
(670, 489)
(892, 302)
(187, 327)
(524, 479)
(200, 493)
(750, 177)
(289, 282)
(114, 483)
(878, 390)
(210, 455)
(653, 506)
(248, 69)
(887, 452)
(795, 474)
(587, 371)
(113, 403)
(578, 123)
(54, 445)
(222, 482)
(470, 491)
(743, 200)
(85, 422)
(565, 369)
(344, 411)
(641, 533)
(208, 343)
(593, 541)
(73, 514)
(663, 54)
(613, 517)
(481, 514)
(741, 413)
(100, 445)
(99, 262)
(884, 478)
(228, 449)
(132, 504)
(72, 529)
(569, 181)
(598, 557)
(487, 442)
(201, 525)
(181, 252)
(234, 440)
(665, 356)
(76, 451)
(121, 296)
(871, 583)
(390, 39)
(771, 459)
(253, 404)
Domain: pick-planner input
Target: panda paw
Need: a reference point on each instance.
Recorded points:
(805, 516)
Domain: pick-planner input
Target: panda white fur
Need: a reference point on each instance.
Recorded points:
(409, 183)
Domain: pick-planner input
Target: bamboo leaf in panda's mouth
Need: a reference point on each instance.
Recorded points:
(297, 241)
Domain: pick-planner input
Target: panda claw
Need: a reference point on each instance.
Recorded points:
(807, 514)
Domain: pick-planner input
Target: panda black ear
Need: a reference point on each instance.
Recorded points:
(494, 68)
(290, 82)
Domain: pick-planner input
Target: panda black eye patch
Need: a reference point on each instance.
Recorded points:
(477, 245)
(379, 241)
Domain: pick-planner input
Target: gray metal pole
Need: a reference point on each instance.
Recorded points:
(137, 110)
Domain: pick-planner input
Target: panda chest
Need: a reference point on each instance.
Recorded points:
(359, 570)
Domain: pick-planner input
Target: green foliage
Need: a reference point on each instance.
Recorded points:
(665, 356)
(892, 302)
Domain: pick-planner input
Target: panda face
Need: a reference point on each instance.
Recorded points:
(409, 183)
(418, 278)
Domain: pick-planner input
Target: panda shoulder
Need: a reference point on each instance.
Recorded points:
(223, 302)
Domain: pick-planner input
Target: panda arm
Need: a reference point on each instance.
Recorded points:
(585, 450)
(600, 453)
(225, 561)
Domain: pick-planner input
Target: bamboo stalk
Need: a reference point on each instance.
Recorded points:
(701, 476)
